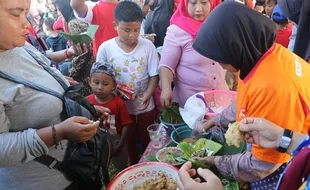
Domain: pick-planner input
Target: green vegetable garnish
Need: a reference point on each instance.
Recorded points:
(172, 115)
(151, 158)
(187, 149)
(170, 157)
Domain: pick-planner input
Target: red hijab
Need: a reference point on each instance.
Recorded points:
(182, 19)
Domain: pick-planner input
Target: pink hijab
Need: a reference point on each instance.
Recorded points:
(182, 19)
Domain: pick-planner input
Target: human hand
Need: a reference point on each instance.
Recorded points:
(103, 112)
(208, 124)
(145, 101)
(150, 37)
(261, 132)
(71, 80)
(77, 129)
(198, 129)
(187, 183)
(166, 97)
(204, 162)
(78, 49)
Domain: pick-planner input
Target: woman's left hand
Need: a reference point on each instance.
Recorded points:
(205, 162)
(78, 49)
(71, 80)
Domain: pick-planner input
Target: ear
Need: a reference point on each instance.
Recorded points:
(114, 85)
(115, 25)
(89, 80)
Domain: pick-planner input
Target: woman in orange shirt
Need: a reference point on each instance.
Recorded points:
(273, 84)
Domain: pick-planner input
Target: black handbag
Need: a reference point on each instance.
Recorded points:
(84, 163)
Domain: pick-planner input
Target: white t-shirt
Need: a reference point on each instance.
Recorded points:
(89, 16)
(134, 69)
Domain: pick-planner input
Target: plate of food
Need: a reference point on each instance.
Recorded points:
(170, 155)
(149, 175)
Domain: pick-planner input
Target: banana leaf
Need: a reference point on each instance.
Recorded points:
(187, 149)
(86, 37)
(203, 143)
(172, 115)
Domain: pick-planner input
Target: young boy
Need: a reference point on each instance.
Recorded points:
(136, 62)
(284, 29)
(270, 4)
(102, 83)
(259, 6)
(100, 14)
(55, 41)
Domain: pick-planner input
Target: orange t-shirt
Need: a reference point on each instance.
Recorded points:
(277, 89)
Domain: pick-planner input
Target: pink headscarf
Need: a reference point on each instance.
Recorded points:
(182, 19)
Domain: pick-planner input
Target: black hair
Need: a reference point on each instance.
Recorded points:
(49, 22)
(260, 3)
(128, 11)
(269, 1)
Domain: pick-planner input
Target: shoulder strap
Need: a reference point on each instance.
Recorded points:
(47, 160)
(30, 84)
(47, 68)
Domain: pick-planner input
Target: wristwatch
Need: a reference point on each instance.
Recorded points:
(285, 141)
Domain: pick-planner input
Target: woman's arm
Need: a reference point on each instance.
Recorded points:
(222, 119)
(171, 55)
(267, 134)
(243, 167)
(62, 55)
(26, 145)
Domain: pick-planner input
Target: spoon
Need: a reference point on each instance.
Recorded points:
(204, 101)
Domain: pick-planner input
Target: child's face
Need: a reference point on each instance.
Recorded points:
(269, 8)
(101, 85)
(259, 8)
(128, 32)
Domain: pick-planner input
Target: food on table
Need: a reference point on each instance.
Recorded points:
(172, 115)
(189, 140)
(202, 148)
(170, 155)
(233, 135)
(161, 183)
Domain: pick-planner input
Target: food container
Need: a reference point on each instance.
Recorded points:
(161, 155)
(180, 134)
(218, 100)
(137, 174)
(171, 126)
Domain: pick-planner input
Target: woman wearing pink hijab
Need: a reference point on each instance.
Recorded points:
(180, 63)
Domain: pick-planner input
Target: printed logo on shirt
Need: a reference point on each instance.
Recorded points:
(243, 113)
(111, 122)
(298, 70)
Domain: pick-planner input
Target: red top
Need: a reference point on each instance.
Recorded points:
(59, 24)
(119, 114)
(250, 3)
(32, 32)
(283, 36)
(103, 16)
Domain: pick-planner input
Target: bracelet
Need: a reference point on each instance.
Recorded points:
(66, 54)
(54, 136)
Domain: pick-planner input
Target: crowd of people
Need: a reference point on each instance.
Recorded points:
(165, 51)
